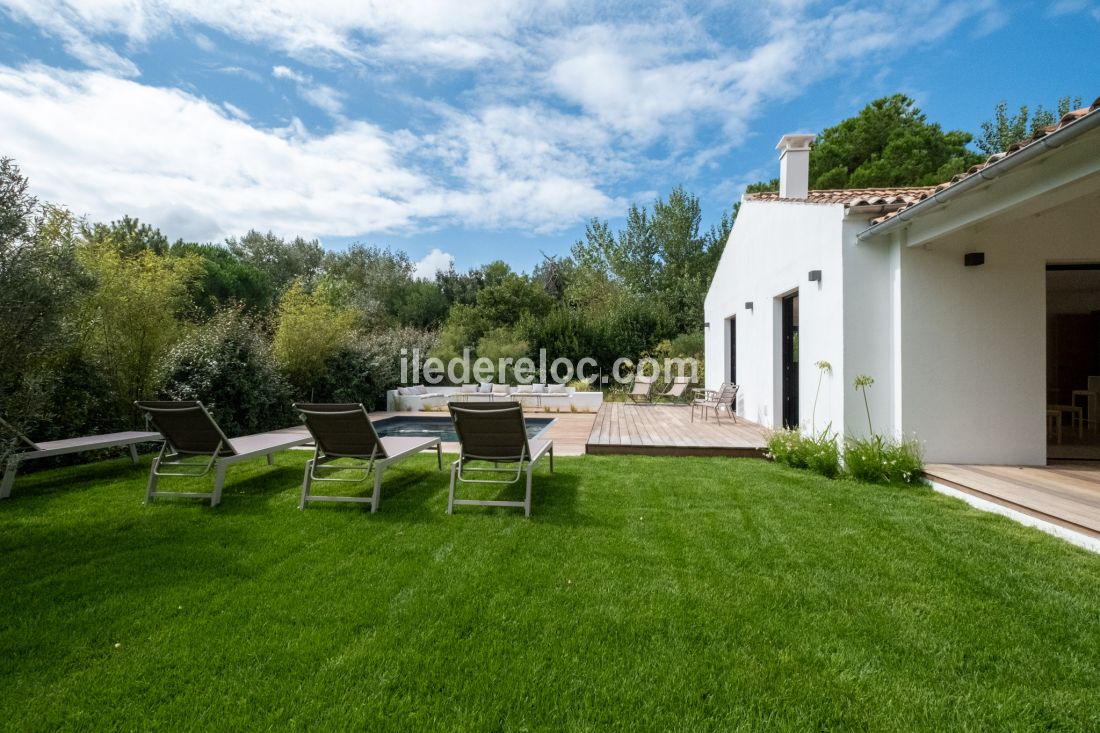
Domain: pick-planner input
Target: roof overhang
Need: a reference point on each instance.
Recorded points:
(1052, 170)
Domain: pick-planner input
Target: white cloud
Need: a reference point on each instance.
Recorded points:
(435, 261)
(321, 96)
(435, 31)
(235, 111)
(557, 105)
(285, 72)
(204, 43)
(324, 98)
(105, 147)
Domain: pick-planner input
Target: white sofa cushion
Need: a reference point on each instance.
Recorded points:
(555, 389)
(523, 389)
(468, 389)
(485, 388)
(502, 389)
(538, 388)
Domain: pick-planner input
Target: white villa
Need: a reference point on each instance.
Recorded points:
(974, 305)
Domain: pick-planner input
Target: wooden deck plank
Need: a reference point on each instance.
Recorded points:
(667, 429)
(1067, 495)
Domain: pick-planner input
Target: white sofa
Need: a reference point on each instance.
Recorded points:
(548, 397)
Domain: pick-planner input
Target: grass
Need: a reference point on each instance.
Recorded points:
(644, 594)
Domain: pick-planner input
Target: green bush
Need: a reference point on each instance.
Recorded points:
(793, 448)
(363, 372)
(227, 364)
(882, 460)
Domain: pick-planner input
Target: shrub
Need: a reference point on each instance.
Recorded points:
(798, 450)
(130, 320)
(881, 460)
(364, 371)
(228, 365)
(310, 332)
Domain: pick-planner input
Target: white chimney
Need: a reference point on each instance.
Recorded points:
(794, 166)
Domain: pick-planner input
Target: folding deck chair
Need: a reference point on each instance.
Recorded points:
(191, 433)
(639, 392)
(677, 389)
(493, 433)
(28, 450)
(345, 431)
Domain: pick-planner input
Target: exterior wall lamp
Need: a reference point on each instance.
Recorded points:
(815, 276)
(974, 259)
(748, 305)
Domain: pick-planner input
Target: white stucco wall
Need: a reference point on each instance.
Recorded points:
(770, 251)
(974, 361)
(869, 332)
(973, 339)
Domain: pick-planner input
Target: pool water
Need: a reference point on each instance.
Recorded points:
(441, 427)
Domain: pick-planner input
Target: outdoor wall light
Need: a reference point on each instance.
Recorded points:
(706, 325)
(974, 259)
(815, 276)
(748, 305)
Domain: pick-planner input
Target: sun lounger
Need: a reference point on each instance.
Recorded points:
(639, 392)
(344, 431)
(191, 433)
(494, 433)
(28, 450)
(677, 389)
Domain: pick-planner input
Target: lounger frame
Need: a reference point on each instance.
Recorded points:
(384, 452)
(49, 449)
(529, 455)
(228, 452)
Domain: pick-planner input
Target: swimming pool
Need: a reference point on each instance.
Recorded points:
(441, 427)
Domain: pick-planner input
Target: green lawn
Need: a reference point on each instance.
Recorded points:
(644, 594)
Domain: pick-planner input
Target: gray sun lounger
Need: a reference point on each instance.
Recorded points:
(489, 432)
(191, 433)
(28, 450)
(345, 431)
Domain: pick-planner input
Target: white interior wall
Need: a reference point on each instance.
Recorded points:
(770, 251)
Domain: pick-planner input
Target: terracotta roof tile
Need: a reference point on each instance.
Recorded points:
(856, 196)
(1068, 118)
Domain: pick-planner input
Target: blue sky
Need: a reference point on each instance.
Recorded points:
(480, 130)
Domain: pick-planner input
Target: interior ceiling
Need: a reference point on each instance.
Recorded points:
(1073, 281)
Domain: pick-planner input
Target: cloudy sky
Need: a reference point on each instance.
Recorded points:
(478, 129)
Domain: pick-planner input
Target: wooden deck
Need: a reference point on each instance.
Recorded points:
(667, 430)
(1064, 494)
